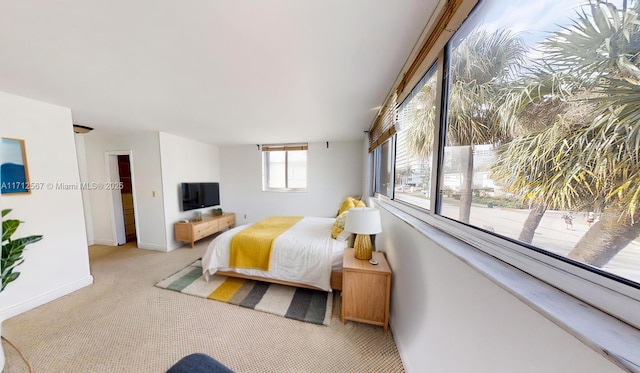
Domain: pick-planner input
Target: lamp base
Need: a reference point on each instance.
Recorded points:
(362, 246)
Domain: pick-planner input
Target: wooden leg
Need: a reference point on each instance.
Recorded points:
(342, 310)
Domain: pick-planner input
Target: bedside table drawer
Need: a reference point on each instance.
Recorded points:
(367, 294)
(366, 289)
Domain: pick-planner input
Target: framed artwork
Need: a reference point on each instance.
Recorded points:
(14, 174)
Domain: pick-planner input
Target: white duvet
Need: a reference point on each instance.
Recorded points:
(305, 254)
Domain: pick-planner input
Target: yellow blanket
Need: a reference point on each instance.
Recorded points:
(251, 247)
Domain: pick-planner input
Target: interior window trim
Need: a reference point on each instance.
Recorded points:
(614, 339)
(609, 295)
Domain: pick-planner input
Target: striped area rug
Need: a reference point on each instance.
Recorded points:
(312, 306)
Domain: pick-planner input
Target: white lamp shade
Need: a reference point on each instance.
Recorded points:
(363, 220)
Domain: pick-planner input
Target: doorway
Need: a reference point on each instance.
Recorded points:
(126, 193)
(124, 214)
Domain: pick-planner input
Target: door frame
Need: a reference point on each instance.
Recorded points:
(115, 207)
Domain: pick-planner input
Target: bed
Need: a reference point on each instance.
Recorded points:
(304, 255)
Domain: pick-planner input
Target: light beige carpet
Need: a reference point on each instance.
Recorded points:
(123, 323)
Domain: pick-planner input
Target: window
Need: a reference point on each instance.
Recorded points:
(284, 167)
(414, 143)
(526, 155)
(535, 151)
(383, 162)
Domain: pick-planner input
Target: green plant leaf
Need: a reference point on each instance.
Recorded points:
(24, 241)
(8, 228)
(11, 277)
(12, 250)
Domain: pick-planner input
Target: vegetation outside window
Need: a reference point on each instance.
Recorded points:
(538, 143)
(284, 167)
(542, 131)
(414, 143)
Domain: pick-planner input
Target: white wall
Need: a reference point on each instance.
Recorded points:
(86, 195)
(447, 317)
(149, 200)
(333, 174)
(59, 264)
(184, 160)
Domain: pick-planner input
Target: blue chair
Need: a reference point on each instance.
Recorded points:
(199, 363)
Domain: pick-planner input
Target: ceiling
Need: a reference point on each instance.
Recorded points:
(222, 72)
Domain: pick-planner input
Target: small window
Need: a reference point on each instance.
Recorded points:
(383, 158)
(284, 168)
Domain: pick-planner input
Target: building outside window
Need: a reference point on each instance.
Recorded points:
(416, 123)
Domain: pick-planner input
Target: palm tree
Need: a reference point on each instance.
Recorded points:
(599, 57)
(482, 66)
(529, 165)
(544, 168)
(421, 121)
(574, 168)
(612, 142)
(612, 149)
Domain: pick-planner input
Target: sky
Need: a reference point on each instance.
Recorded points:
(10, 152)
(534, 20)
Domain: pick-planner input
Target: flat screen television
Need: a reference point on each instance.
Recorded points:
(199, 195)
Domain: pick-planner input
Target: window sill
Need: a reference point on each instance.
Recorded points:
(617, 341)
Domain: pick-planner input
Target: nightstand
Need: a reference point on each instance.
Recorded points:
(366, 289)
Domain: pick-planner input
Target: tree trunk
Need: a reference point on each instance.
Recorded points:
(466, 189)
(606, 238)
(532, 222)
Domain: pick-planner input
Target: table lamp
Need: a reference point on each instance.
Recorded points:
(363, 221)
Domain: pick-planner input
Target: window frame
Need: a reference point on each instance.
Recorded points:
(286, 148)
(612, 294)
(378, 161)
(435, 69)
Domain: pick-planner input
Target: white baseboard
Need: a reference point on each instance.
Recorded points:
(45, 298)
(403, 356)
(176, 245)
(141, 245)
(151, 246)
(104, 242)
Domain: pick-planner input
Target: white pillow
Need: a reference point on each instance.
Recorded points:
(343, 236)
